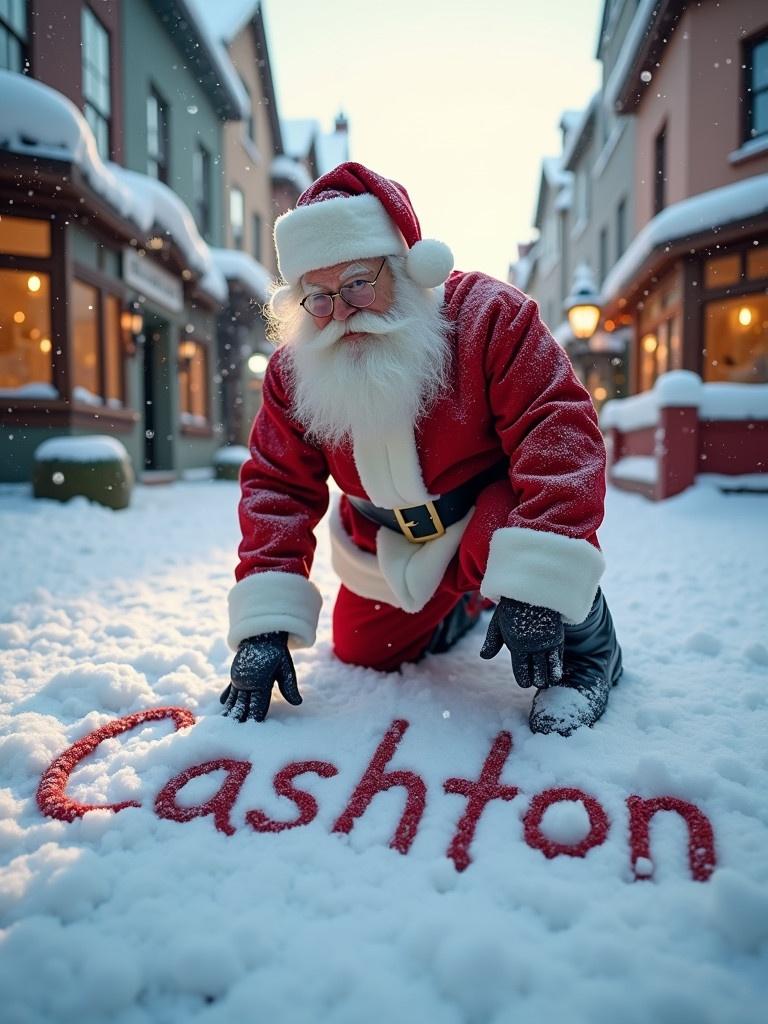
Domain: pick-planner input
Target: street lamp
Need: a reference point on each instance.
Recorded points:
(581, 305)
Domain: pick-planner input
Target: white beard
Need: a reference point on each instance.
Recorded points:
(374, 384)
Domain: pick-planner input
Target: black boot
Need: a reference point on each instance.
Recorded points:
(591, 666)
(459, 620)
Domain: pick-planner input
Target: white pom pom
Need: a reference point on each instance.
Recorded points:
(429, 262)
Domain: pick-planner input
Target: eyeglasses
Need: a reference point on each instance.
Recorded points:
(358, 293)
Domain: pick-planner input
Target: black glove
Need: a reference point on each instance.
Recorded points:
(259, 662)
(535, 638)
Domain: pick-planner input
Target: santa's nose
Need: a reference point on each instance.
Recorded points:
(342, 309)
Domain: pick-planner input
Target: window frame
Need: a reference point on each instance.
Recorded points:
(659, 169)
(256, 226)
(104, 287)
(184, 378)
(98, 116)
(238, 243)
(11, 33)
(202, 199)
(748, 47)
(160, 159)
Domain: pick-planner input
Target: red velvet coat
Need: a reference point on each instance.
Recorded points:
(513, 396)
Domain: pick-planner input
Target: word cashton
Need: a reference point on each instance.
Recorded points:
(53, 801)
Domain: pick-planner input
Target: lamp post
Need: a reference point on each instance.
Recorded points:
(582, 306)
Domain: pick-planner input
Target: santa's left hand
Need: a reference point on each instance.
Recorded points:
(535, 638)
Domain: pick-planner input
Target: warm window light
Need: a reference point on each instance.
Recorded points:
(650, 343)
(745, 316)
(35, 333)
(45, 345)
(187, 349)
(19, 317)
(609, 326)
(34, 284)
(600, 394)
(258, 363)
(132, 320)
(155, 242)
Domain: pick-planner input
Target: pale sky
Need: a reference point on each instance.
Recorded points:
(458, 101)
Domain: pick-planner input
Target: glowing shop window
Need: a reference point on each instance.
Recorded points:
(757, 262)
(736, 340)
(193, 383)
(26, 365)
(113, 353)
(22, 236)
(722, 271)
(85, 344)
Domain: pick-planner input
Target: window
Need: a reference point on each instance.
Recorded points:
(22, 236)
(249, 124)
(621, 228)
(157, 137)
(756, 88)
(237, 216)
(603, 254)
(193, 383)
(201, 184)
(114, 384)
(13, 35)
(659, 171)
(96, 86)
(256, 236)
(26, 368)
(86, 370)
(735, 339)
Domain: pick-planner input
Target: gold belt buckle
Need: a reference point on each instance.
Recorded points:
(407, 527)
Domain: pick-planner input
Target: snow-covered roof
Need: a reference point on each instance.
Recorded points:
(224, 18)
(553, 178)
(298, 135)
(173, 218)
(578, 131)
(288, 169)
(228, 77)
(332, 150)
(636, 33)
(36, 120)
(708, 210)
(239, 266)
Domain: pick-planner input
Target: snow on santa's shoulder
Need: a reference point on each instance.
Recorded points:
(130, 918)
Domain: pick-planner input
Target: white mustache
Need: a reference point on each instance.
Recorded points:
(361, 322)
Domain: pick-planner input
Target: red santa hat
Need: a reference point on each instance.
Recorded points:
(353, 213)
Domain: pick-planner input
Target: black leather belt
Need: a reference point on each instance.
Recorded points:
(420, 523)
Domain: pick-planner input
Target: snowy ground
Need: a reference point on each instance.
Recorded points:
(131, 918)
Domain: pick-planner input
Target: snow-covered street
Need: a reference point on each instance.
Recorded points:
(132, 917)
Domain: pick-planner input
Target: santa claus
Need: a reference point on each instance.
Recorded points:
(468, 457)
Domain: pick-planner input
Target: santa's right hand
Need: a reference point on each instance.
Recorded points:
(260, 662)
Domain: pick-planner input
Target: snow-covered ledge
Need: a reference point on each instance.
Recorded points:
(661, 440)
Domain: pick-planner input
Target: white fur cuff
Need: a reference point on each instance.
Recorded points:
(543, 569)
(266, 602)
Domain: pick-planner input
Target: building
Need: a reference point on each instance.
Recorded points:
(675, 144)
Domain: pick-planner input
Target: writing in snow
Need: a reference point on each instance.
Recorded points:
(378, 777)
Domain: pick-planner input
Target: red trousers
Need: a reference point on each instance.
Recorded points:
(377, 635)
(380, 636)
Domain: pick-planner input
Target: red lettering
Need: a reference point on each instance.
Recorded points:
(479, 794)
(51, 796)
(305, 802)
(376, 780)
(221, 803)
(701, 837)
(598, 822)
